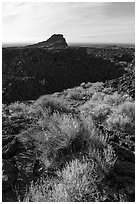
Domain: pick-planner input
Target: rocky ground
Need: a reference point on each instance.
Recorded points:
(23, 125)
(21, 166)
(126, 83)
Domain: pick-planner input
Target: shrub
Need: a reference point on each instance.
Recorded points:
(89, 93)
(83, 85)
(54, 104)
(74, 95)
(98, 111)
(79, 179)
(76, 182)
(116, 99)
(101, 113)
(98, 97)
(88, 85)
(105, 159)
(88, 106)
(18, 107)
(59, 138)
(123, 118)
(127, 109)
(40, 191)
(114, 111)
(95, 139)
(108, 90)
(77, 93)
(98, 86)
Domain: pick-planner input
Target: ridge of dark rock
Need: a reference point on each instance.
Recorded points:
(125, 83)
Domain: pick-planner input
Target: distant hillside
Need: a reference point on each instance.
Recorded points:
(31, 72)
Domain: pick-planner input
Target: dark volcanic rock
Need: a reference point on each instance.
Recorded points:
(18, 163)
(9, 179)
(10, 173)
(28, 73)
(121, 177)
(123, 153)
(9, 150)
(6, 139)
(125, 83)
(54, 42)
(125, 167)
(123, 172)
(38, 168)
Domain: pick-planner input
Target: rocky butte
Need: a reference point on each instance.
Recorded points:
(56, 41)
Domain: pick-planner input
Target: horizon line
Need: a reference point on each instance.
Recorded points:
(71, 43)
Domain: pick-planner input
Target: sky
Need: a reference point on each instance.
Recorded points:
(79, 22)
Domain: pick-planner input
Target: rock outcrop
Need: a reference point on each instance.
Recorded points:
(125, 83)
(56, 41)
(122, 176)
